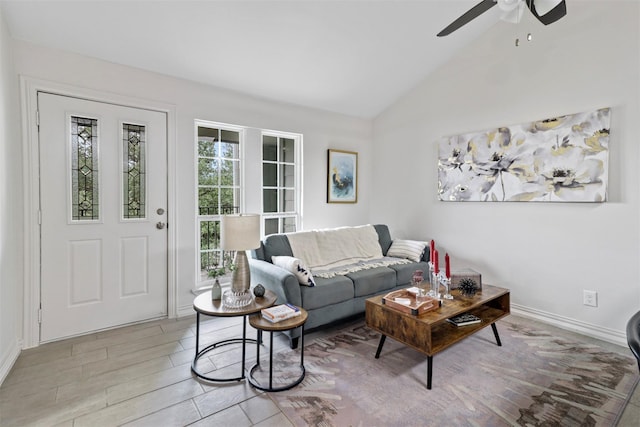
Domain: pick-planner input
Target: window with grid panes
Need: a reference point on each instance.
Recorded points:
(280, 204)
(218, 192)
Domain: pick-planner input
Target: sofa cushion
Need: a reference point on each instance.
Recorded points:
(326, 292)
(384, 237)
(276, 245)
(295, 266)
(372, 281)
(409, 249)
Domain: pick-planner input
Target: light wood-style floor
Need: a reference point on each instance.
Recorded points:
(140, 375)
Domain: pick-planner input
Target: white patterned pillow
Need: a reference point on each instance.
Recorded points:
(410, 249)
(295, 266)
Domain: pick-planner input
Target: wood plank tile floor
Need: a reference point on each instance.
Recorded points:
(140, 375)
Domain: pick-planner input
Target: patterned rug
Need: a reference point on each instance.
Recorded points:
(537, 378)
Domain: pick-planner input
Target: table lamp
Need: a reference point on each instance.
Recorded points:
(239, 233)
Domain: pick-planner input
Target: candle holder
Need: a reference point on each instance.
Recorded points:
(446, 282)
(433, 280)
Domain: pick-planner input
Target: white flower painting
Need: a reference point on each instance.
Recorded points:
(563, 159)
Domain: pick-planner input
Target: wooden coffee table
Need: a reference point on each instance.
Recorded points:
(430, 333)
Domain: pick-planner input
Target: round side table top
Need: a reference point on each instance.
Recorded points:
(258, 322)
(203, 304)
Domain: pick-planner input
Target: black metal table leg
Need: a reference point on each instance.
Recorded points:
(197, 332)
(302, 348)
(271, 388)
(244, 343)
(495, 333)
(429, 371)
(200, 353)
(380, 344)
(271, 361)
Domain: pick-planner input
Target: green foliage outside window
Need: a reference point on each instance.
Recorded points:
(218, 194)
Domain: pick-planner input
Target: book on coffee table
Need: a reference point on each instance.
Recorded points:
(280, 312)
(464, 319)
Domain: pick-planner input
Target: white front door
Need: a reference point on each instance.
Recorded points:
(103, 199)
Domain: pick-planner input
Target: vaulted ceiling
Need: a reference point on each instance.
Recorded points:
(353, 57)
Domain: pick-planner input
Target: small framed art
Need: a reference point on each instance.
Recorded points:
(342, 176)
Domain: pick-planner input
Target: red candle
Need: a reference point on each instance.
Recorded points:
(435, 261)
(447, 266)
(431, 249)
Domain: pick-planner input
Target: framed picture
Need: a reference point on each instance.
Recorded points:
(342, 176)
(561, 159)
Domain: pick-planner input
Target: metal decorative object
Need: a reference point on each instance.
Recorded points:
(239, 233)
(467, 287)
(259, 290)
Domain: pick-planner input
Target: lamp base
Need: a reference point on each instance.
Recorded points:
(234, 299)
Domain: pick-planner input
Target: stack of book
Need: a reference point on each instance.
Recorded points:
(280, 312)
(464, 319)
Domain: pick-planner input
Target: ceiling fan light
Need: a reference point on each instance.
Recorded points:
(512, 16)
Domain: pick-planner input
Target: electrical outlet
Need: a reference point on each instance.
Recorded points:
(590, 298)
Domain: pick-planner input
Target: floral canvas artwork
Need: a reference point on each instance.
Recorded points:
(562, 159)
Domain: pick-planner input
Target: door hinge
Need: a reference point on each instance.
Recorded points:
(38, 118)
(39, 217)
(39, 315)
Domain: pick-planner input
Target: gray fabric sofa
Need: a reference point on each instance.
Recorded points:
(331, 299)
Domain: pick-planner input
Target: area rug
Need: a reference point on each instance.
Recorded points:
(539, 377)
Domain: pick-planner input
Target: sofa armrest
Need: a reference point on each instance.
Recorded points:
(283, 283)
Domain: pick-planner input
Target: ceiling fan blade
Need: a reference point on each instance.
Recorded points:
(552, 15)
(544, 6)
(468, 16)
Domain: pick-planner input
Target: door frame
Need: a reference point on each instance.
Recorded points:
(29, 88)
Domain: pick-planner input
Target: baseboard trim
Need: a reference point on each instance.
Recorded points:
(185, 310)
(9, 358)
(584, 328)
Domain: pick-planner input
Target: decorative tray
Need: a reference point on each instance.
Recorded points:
(405, 301)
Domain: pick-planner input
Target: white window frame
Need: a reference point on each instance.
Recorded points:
(297, 163)
(205, 283)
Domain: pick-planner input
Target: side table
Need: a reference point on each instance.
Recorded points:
(204, 305)
(261, 324)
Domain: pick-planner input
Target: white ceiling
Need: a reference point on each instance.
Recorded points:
(353, 57)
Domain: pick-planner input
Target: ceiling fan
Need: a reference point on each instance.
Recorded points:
(546, 11)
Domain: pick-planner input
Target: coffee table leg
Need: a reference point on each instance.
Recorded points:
(495, 333)
(429, 371)
(380, 344)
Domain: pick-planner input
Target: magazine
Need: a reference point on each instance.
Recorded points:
(464, 319)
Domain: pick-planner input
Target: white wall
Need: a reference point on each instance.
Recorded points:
(321, 131)
(10, 208)
(545, 253)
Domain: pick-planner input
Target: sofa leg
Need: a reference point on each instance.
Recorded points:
(293, 343)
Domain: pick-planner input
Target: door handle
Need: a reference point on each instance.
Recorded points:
(160, 225)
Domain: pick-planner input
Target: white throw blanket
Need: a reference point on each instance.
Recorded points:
(359, 266)
(332, 248)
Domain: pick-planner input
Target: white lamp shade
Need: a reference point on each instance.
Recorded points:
(240, 232)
